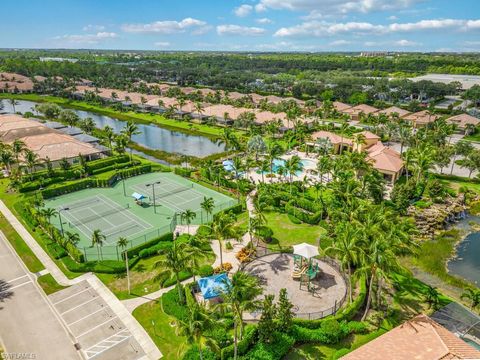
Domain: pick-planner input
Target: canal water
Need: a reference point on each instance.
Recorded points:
(466, 263)
(151, 136)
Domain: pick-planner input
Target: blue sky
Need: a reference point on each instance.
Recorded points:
(248, 25)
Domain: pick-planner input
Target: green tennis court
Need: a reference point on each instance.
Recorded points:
(116, 213)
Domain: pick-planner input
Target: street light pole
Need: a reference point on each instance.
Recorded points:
(60, 218)
(154, 202)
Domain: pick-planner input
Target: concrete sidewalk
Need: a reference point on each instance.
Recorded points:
(149, 347)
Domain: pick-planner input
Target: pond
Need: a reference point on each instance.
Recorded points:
(466, 264)
(151, 136)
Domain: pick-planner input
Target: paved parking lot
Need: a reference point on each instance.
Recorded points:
(28, 323)
(98, 331)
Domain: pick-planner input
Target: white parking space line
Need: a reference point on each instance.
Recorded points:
(17, 278)
(69, 297)
(19, 285)
(96, 327)
(87, 316)
(120, 339)
(76, 307)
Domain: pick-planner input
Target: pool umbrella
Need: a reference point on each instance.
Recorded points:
(305, 250)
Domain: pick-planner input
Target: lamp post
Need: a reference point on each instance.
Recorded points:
(60, 218)
(153, 188)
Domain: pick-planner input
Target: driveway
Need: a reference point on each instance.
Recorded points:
(29, 325)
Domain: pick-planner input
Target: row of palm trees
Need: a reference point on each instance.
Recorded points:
(16, 156)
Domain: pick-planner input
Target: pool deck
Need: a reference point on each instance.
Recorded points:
(275, 273)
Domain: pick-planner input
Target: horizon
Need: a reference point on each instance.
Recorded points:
(311, 26)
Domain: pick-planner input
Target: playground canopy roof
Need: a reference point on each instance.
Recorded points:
(306, 250)
(213, 286)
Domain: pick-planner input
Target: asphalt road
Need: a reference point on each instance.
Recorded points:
(28, 324)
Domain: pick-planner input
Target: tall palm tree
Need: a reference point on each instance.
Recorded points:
(49, 213)
(188, 215)
(109, 135)
(256, 145)
(13, 102)
(343, 130)
(97, 240)
(222, 228)
(174, 262)
(196, 253)
(240, 295)
(32, 161)
(129, 130)
(72, 238)
(6, 159)
(345, 248)
(208, 204)
(122, 243)
(274, 150)
(18, 147)
(293, 165)
(198, 321)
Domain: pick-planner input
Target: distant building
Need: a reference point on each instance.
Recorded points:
(466, 81)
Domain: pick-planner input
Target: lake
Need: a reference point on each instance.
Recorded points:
(151, 136)
(466, 264)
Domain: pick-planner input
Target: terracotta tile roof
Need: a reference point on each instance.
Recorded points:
(11, 81)
(167, 101)
(421, 117)
(339, 106)
(188, 90)
(362, 108)
(220, 109)
(385, 158)
(420, 338)
(56, 146)
(334, 138)
(394, 109)
(369, 135)
(462, 120)
(265, 116)
(274, 99)
(234, 95)
(256, 98)
(14, 127)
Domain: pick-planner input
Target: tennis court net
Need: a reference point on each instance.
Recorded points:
(161, 193)
(82, 203)
(97, 215)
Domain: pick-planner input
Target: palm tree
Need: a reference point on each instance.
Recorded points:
(109, 135)
(174, 262)
(18, 147)
(196, 252)
(48, 213)
(208, 204)
(122, 243)
(472, 295)
(129, 130)
(199, 320)
(121, 143)
(343, 130)
(346, 249)
(256, 145)
(432, 297)
(72, 238)
(6, 158)
(274, 150)
(87, 125)
(32, 160)
(221, 229)
(324, 166)
(97, 240)
(240, 295)
(188, 215)
(293, 165)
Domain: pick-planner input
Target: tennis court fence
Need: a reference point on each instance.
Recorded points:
(113, 252)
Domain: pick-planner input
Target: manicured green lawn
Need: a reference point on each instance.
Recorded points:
(286, 233)
(142, 278)
(159, 326)
(48, 284)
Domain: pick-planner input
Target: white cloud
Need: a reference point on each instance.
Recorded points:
(392, 18)
(406, 43)
(239, 30)
(243, 10)
(86, 38)
(91, 27)
(340, 42)
(260, 8)
(196, 27)
(162, 44)
(264, 21)
(336, 6)
(322, 28)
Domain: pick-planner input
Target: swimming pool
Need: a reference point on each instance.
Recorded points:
(278, 163)
(309, 163)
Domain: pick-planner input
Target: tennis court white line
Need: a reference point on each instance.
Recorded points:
(104, 218)
(141, 223)
(76, 307)
(95, 327)
(69, 297)
(86, 316)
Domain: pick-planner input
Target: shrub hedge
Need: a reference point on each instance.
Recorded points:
(103, 266)
(171, 304)
(249, 338)
(275, 350)
(135, 251)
